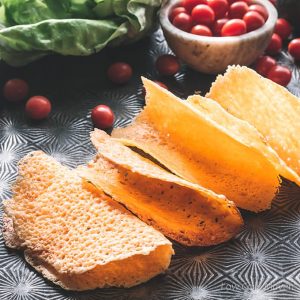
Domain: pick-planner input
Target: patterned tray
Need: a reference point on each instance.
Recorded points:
(261, 263)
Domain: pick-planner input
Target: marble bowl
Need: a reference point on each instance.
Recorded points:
(212, 55)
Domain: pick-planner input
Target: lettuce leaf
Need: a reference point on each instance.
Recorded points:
(31, 29)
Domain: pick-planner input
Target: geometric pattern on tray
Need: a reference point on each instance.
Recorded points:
(261, 263)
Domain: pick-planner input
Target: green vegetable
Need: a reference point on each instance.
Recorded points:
(30, 29)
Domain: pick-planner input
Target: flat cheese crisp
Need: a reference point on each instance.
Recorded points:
(183, 211)
(269, 107)
(192, 145)
(74, 234)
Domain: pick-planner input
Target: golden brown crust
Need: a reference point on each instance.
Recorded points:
(183, 211)
(148, 266)
(193, 146)
(75, 235)
(269, 107)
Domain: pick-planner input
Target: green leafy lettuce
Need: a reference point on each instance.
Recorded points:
(30, 29)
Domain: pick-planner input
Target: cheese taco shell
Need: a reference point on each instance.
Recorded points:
(269, 107)
(197, 148)
(74, 234)
(185, 212)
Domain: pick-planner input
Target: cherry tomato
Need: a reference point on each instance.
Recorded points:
(38, 107)
(167, 65)
(161, 84)
(218, 25)
(203, 14)
(176, 11)
(237, 10)
(201, 30)
(264, 65)
(190, 4)
(294, 48)
(15, 90)
(253, 20)
(102, 116)
(279, 74)
(183, 21)
(219, 7)
(234, 27)
(119, 72)
(275, 44)
(283, 28)
(260, 9)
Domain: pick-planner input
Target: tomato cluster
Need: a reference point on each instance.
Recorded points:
(200, 17)
(37, 107)
(267, 65)
(218, 17)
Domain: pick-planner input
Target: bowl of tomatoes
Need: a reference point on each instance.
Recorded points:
(209, 35)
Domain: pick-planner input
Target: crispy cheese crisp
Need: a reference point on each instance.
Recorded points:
(194, 146)
(183, 211)
(269, 107)
(243, 131)
(77, 236)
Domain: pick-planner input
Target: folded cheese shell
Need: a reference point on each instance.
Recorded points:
(77, 236)
(183, 211)
(195, 147)
(243, 131)
(269, 107)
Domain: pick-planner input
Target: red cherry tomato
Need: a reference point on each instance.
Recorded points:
(167, 65)
(275, 44)
(15, 90)
(283, 28)
(237, 10)
(218, 25)
(253, 20)
(201, 30)
(102, 116)
(175, 11)
(260, 9)
(234, 27)
(183, 21)
(219, 7)
(294, 48)
(203, 14)
(190, 4)
(38, 107)
(161, 84)
(264, 65)
(279, 74)
(119, 72)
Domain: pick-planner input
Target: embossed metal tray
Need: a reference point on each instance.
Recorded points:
(261, 263)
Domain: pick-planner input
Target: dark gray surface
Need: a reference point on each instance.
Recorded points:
(261, 263)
